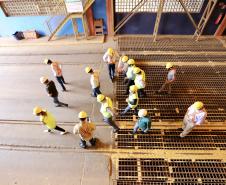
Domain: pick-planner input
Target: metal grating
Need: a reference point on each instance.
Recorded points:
(193, 6)
(194, 83)
(169, 139)
(145, 43)
(147, 171)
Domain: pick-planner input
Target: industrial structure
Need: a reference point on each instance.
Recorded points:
(75, 34)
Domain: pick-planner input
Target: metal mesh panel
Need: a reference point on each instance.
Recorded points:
(169, 139)
(152, 6)
(193, 83)
(176, 172)
(145, 43)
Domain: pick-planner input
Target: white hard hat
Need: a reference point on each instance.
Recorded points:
(43, 79)
(142, 112)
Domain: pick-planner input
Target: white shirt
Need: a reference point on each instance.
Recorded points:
(94, 80)
(171, 74)
(110, 59)
(122, 65)
(199, 116)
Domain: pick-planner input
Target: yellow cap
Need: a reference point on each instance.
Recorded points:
(133, 88)
(198, 105)
(82, 114)
(46, 61)
(142, 112)
(43, 79)
(110, 51)
(136, 70)
(169, 65)
(125, 58)
(100, 97)
(37, 110)
(88, 69)
(131, 61)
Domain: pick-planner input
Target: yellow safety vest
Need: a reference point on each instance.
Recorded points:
(48, 120)
(131, 98)
(104, 106)
(140, 80)
(129, 73)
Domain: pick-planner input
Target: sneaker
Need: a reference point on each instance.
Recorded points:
(62, 133)
(181, 135)
(58, 105)
(46, 131)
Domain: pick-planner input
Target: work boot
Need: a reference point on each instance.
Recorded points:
(93, 141)
(82, 145)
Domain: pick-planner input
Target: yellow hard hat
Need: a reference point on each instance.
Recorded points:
(169, 65)
(142, 112)
(37, 110)
(110, 51)
(133, 88)
(125, 58)
(100, 97)
(136, 70)
(82, 114)
(43, 79)
(88, 69)
(46, 61)
(198, 105)
(131, 61)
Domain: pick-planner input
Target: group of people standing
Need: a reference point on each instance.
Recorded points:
(135, 80)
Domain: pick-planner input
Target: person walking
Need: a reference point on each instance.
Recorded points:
(140, 81)
(132, 100)
(107, 111)
(57, 71)
(143, 123)
(195, 115)
(130, 76)
(94, 81)
(171, 77)
(85, 129)
(110, 57)
(52, 91)
(122, 65)
(48, 120)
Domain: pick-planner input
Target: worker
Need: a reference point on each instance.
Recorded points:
(140, 81)
(169, 79)
(94, 81)
(57, 71)
(48, 120)
(130, 76)
(110, 57)
(107, 111)
(195, 115)
(143, 123)
(132, 100)
(52, 91)
(122, 65)
(85, 130)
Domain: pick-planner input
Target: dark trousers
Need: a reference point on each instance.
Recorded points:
(58, 128)
(110, 122)
(141, 93)
(96, 91)
(111, 71)
(58, 103)
(129, 83)
(61, 81)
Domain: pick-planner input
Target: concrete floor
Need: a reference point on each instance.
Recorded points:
(29, 156)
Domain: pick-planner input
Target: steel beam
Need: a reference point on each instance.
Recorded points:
(158, 18)
(204, 19)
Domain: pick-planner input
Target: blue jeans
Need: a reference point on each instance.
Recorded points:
(128, 108)
(61, 81)
(136, 127)
(96, 91)
(111, 70)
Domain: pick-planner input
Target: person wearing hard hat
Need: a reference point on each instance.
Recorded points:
(52, 91)
(130, 76)
(94, 81)
(110, 57)
(122, 65)
(107, 111)
(48, 120)
(171, 77)
(140, 81)
(57, 71)
(132, 100)
(195, 115)
(85, 130)
(143, 123)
